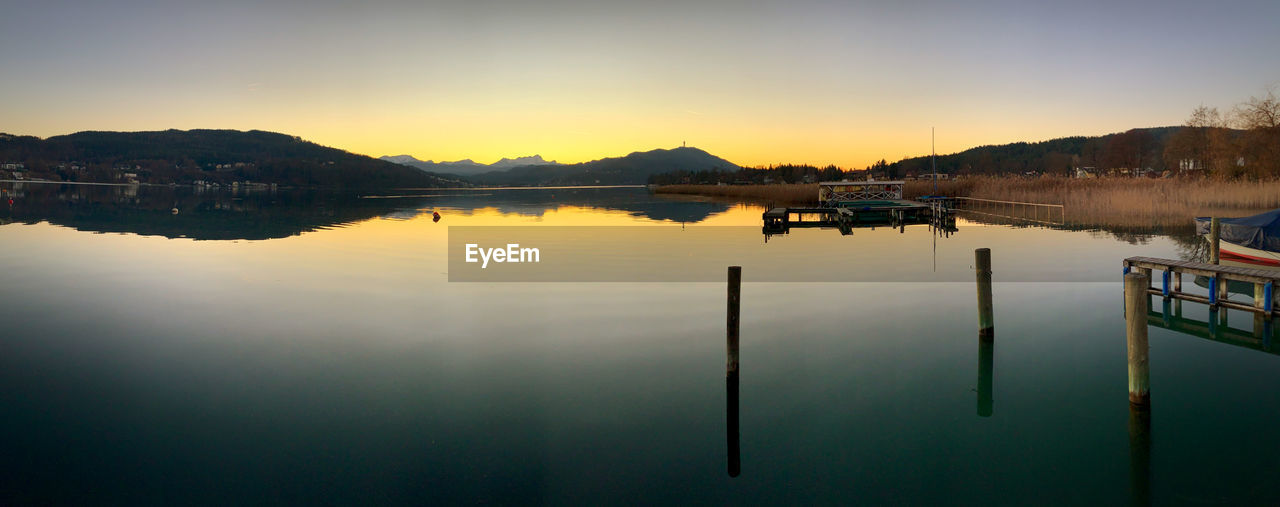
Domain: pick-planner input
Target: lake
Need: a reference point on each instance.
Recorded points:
(310, 347)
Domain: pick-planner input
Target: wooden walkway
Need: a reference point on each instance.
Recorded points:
(1264, 282)
(893, 212)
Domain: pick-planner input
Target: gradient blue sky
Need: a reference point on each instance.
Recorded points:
(755, 82)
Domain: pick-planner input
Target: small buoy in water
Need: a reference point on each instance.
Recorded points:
(174, 211)
(435, 216)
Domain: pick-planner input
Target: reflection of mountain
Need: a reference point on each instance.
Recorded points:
(202, 216)
(536, 201)
(147, 210)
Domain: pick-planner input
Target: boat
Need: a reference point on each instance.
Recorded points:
(1255, 239)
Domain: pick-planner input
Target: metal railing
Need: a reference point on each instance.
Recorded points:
(1028, 211)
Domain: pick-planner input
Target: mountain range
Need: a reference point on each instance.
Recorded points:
(466, 167)
(632, 169)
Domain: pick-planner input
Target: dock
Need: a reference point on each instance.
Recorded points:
(846, 205)
(1264, 282)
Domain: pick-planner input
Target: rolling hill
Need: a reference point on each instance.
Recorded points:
(219, 156)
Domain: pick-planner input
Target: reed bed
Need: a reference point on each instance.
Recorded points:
(789, 193)
(1125, 202)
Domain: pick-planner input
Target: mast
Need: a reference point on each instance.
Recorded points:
(933, 149)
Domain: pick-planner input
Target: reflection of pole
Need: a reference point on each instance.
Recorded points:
(731, 324)
(982, 264)
(1139, 455)
(731, 423)
(731, 371)
(1136, 300)
(986, 349)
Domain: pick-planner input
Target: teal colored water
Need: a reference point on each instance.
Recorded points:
(303, 347)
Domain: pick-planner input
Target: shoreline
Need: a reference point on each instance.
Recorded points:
(1127, 202)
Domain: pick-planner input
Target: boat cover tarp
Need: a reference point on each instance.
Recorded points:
(1259, 231)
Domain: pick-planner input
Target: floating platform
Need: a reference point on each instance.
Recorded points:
(852, 214)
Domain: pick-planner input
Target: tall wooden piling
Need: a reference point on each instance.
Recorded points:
(731, 323)
(1136, 300)
(982, 265)
(1215, 232)
(731, 372)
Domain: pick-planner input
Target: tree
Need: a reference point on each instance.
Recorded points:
(1128, 150)
(1259, 117)
(1204, 142)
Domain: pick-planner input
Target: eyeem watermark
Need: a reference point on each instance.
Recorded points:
(671, 253)
(512, 253)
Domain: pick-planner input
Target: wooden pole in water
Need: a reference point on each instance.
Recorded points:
(1135, 296)
(731, 324)
(1215, 232)
(731, 371)
(982, 264)
(1260, 296)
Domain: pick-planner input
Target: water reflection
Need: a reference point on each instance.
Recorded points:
(1217, 328)
(1139, 455)
(986, 369)
(208, 214)
(731, 424)
(201, 214)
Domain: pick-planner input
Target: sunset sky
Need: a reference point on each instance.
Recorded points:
(754, 82)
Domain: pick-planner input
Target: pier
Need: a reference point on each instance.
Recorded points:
(1139, 316)
(846, 205)
(1264, 282)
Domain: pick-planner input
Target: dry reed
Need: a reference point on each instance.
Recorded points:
(790, 193)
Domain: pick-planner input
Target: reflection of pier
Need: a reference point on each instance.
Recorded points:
(1261, 338)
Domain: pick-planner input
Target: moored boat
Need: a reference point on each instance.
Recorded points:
(1255, 239)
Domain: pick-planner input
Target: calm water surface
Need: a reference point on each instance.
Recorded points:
(306, 347)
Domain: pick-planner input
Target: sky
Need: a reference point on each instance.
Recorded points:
(801, 81)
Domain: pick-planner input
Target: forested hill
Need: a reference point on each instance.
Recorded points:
(1144, 147)
(216, 156)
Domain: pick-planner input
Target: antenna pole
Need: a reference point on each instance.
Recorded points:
(933, 148)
